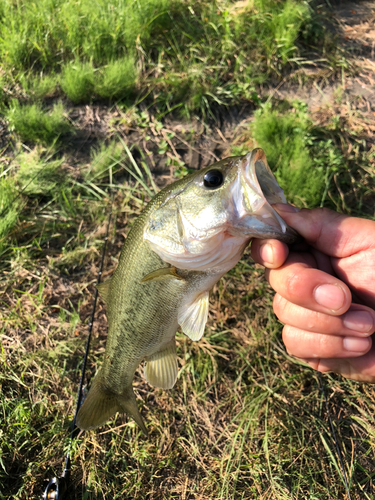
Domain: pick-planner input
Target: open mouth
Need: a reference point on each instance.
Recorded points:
(262, 191)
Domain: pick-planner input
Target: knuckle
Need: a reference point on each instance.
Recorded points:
(293, 284)
(323, 342)
(318, 322)
(288, 338)
(280, 306)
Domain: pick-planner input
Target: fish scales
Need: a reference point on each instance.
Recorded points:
(187, 237)
(133, 307)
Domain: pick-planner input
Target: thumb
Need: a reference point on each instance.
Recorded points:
(334, 234)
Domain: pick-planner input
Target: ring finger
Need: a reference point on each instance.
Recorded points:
(358, 321)
(304, 344)
(300, 283)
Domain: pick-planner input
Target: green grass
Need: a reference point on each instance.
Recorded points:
(40, 86)
(189, 55)
(77, 81)
(32, 123)
(315, 165)
(10, 209)
(245, 421)
(285, 138)
(82, 83)
(105, 162)
(117, 79)
(47, 33)
(38, 176)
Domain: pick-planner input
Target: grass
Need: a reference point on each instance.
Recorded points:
(32, 123)
(82, 82)
(40, 86)
(315, 165)
(77, 81)
(117, 79)
(199, 53)
(10, 208)
(105, 161)
(244, 421)
(286, 139)
(37, 176)
(86, 90)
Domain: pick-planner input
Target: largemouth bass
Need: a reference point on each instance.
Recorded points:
(189, 235)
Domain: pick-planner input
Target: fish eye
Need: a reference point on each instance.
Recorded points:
(213, 179)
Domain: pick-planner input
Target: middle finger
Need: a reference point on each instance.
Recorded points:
(300, 283)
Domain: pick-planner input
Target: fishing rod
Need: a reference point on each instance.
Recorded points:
(59, 486)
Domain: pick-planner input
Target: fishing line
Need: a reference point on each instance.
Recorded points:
(339, 454)
(57, 487)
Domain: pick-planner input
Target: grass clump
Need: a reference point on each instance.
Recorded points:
(324, 163)
(286, 139)
(117, 79)
(10, 209)
(33, 124)
(104, 162)
(39, 176)
(82, 82)
(40, 86)
(77, 81)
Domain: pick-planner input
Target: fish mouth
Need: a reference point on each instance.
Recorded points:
(259, 191)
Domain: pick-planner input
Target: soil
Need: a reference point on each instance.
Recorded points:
(197, 145)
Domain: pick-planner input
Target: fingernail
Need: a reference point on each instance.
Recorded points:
(355, 344)
(266, 253)
(360, 321)
(330, 296)
(283, 207)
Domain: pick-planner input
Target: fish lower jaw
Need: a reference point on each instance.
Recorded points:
(216, 258)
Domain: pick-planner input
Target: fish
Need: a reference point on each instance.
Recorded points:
(189, 235)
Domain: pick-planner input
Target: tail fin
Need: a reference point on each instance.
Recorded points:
(100, 405)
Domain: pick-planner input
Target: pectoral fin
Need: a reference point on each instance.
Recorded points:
(193, 317)
(162, 274)
(161, 368)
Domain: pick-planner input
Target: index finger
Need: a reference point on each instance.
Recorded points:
(270, 253)
(300, 283)
(334, 234)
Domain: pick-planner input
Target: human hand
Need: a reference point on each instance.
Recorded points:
(325, 294)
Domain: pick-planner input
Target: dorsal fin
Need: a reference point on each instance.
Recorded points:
(103, 289)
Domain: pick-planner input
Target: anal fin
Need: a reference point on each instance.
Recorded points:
(161, 368)
(192, 317)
